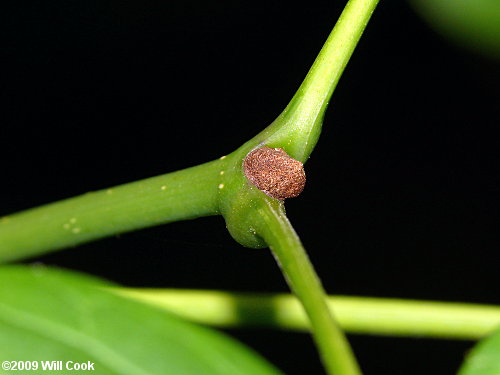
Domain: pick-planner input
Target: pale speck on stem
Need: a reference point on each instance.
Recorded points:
(221, 186)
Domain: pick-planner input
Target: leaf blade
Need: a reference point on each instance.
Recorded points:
(484, 359)
(55, 315)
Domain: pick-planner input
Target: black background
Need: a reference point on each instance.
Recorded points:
(401, 199)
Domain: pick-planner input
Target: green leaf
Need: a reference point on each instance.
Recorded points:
(474, 24)
(484, 359)
(55, 315)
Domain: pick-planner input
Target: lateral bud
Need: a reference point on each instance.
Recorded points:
(275, 173)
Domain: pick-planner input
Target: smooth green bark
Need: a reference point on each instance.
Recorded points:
(273, 225)
(253, 219)
(180, 195)
(197, 191)
(298, 127)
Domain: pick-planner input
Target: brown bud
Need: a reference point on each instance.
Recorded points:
(274, 172)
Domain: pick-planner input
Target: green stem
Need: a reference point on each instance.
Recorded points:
(180, 195)
(192, 192)
(363, 315)
(297, 129)
(273, 226)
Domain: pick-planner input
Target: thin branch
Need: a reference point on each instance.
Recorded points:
(362, 315)
(272, 224)
(181, 195)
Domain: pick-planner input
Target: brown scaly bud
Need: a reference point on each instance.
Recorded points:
(274, 172)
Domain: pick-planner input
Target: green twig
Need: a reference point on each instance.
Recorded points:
(192, 192)
(250, 216)
(273, 226)
(363, 315)
(297, 129)
(180, 195)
